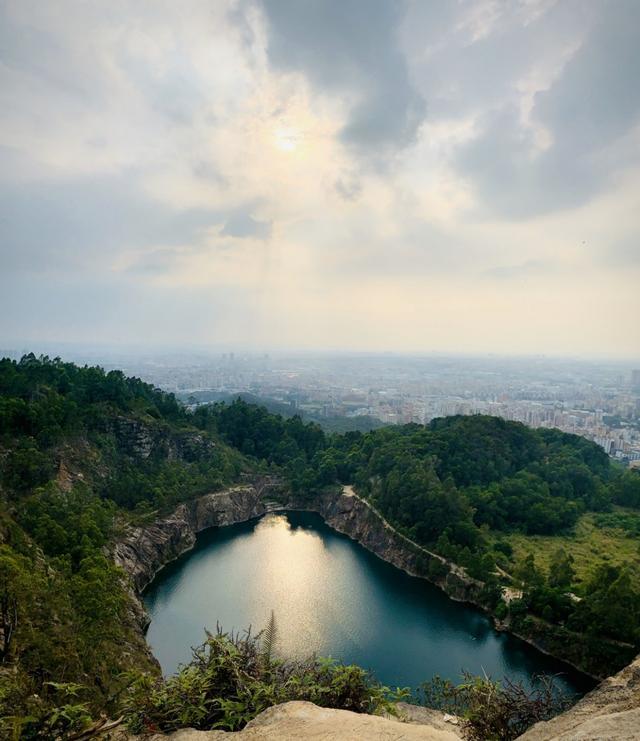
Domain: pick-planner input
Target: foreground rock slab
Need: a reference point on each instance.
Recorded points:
(304, 720)
(611, 712)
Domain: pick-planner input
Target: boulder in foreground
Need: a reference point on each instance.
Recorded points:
(296, 720)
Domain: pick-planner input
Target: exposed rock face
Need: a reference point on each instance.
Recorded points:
(145, 550)
(297, 720)
(140, 439)
(610, 711)
(347, 513)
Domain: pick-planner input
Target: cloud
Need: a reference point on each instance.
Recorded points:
(349, 48)
(586, 118)
(88, 222)
(523, 270)
(624, 253)
(348, 187)
(241, 224)
(411, 174)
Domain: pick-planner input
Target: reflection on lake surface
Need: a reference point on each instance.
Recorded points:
(332, 597)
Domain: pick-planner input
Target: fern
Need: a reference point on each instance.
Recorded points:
(268, 639)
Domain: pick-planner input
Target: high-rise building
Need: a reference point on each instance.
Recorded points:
(635, 379)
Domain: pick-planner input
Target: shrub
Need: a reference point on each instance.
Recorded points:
(232, 678)
(504, 547)
(494, 711)
(437, 569)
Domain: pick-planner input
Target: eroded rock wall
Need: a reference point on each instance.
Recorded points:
(143, 551)
(347, 513)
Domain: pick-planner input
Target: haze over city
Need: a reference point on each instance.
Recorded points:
(355, 175)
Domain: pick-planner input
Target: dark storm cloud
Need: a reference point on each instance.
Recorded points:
(586, 112)
(348, 187)
(350, 47)
(462, 67)
(597, 97)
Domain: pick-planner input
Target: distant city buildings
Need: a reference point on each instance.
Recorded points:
(600, 402)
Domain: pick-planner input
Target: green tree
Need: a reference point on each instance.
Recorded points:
(527, 573)
(561, 571)
(13, 588)
(625, 489)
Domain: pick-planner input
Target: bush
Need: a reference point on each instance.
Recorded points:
(62, 716)
(437, 569)
(232, 678)
(493, 711)
(504, 547)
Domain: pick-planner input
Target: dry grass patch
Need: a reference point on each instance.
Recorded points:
(589, 544)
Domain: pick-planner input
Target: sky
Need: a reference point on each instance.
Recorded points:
(373, 175)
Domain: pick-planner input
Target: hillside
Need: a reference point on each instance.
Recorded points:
(361, 423)
(85, 454)
(81, 453)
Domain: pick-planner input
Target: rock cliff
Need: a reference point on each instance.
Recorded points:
(143, 439)
(143, 551)
(346, 512)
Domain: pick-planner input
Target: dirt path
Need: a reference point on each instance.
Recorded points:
(459, 571)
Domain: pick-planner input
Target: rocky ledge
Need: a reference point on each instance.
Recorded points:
(611, 712)
(297, 720)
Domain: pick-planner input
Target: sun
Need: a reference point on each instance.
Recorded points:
(287, 138)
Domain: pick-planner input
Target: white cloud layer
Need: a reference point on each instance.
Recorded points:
(356, 174)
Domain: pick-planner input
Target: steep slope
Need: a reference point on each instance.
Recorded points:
(83, 453)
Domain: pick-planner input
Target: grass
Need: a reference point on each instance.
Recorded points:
(589, 545)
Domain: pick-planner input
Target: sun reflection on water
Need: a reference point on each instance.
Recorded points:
(297, 581)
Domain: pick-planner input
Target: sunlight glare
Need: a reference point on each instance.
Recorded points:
(287, 139)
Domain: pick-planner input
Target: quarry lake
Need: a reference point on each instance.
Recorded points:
(332, 597)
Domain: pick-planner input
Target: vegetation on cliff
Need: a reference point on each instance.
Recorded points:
(83, 452)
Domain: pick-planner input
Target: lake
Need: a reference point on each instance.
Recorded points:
(332, 597)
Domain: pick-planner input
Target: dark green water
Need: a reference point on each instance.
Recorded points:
(332, 597)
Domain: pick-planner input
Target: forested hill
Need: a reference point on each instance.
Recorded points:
(84, 452)
(81, 453)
